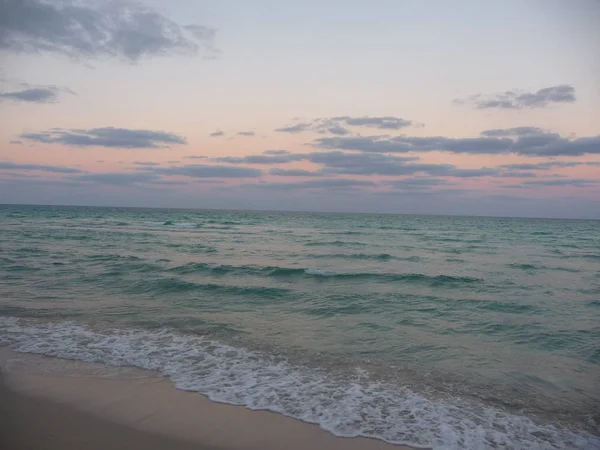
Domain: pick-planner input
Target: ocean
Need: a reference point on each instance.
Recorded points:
(434, 332)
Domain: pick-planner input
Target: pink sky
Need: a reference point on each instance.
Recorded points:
(434, 72)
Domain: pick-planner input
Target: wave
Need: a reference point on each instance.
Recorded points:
(209, 224)
(275, 271)
(591, 256)
(333, 243)
(435, 280)
(21, 268)
(427, 238)
(359, 256)
(192, 248)
(456, 260)
(525, 266)
(508, 307)
(31, 251)
(346, 233)
(224, 222)
(170, 224)
(177, 286)
(349, 403)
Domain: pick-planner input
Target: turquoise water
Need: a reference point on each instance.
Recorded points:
(441, 332)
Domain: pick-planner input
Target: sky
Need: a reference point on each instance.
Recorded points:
(412, 106)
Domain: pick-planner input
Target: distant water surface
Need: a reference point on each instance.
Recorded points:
(442, 332)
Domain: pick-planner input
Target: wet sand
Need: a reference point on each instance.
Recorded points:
(32, 423)
(51, 404)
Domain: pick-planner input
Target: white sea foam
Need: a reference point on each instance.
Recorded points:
(319, 272)
(346, 406)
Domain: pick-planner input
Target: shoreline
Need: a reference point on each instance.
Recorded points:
(68, 404)
(143, 378)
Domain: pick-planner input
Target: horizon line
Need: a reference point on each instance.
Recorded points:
(300, 211)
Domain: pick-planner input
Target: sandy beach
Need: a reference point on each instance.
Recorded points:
(48, 403)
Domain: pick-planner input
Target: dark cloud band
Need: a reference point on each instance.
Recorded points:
(107, 137)
(534, 142)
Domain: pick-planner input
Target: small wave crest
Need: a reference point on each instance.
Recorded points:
(334, 243)
(170, 285)
(360, 256)
(274, 271)
(524, 266)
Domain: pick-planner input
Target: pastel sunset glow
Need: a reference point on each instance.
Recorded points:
(426, 107)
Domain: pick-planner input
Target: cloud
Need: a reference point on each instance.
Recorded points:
(379, 164)
(33, 95)
(512, 132)
(338, 125)
(295, 173)
(298, 128)
(39, 184)
(419, 183)
(168, 182)
(201, 33)
(505, 198)
(382, 123)
(216, 134)
(542, 98)
(18, 175)
(368, 164)
(118, 178)
(125, 179)
(122, 29)
(577, 182)
(517, 175)
(276, 152)
(338, 130)
(6, 165)
(547, 165)
(329, 183)
(574, 182)
(146, 163)
(194, 157)
(15, 142)
(107, 137)
(533, 143)
(279, 158)
(360, 163)
(342, 163)
(420, 194)
(405, 144)
(466, 173)
(205, 171)
(246, 133)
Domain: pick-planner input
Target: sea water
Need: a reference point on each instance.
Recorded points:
(436, 332)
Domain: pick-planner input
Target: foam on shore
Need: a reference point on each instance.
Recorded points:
(349, 406)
